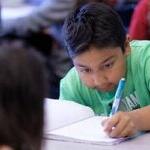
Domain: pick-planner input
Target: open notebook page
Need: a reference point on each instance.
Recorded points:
(85, 131)
(59, 113)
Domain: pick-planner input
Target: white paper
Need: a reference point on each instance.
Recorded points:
(70, 121)
(59, 113)
(86, 131)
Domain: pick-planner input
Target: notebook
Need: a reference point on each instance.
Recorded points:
(73, 122)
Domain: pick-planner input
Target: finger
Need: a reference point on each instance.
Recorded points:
(111, 123)
(122, 124)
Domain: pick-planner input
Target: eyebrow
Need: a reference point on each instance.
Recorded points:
(103, 62)
(109, 58)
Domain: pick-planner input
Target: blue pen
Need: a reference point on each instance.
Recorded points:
(118, 96)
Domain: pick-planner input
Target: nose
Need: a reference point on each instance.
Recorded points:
(99, 79)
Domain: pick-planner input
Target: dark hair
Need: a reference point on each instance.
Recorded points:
(23, 86)
(40, 42)
(93, 24)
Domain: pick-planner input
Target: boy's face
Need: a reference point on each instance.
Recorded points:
(101, 69)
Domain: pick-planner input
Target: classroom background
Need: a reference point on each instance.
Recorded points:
(39, 24)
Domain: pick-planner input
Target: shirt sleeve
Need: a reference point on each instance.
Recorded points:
(70, 88)
(147, 72)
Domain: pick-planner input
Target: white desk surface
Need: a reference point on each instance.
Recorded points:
(141, 142)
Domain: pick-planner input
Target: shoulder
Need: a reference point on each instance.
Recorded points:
(140, 43)
(71, 77)
(140, 46)
(72, 84)
(71, 87)
(140, 53)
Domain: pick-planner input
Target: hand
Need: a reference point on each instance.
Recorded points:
(120, 125)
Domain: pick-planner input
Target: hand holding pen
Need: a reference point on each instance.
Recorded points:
(119, 124)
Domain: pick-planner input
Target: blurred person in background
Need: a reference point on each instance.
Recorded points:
(125, 9)
(140, 23)
(23, 87)
(48, 14)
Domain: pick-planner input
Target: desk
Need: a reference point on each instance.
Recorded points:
(141, 142)
(54, 109)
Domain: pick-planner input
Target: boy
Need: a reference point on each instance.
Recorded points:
(97, 43)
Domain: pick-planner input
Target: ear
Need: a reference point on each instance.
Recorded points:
(127, 45)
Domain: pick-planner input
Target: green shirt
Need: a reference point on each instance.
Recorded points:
(137, 89)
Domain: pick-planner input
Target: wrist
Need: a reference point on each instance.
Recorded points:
(135, 117)
(141, 117)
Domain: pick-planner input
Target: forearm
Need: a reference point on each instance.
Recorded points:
(141, 118)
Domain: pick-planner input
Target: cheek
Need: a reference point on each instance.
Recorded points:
(117, 72)
(87, 80)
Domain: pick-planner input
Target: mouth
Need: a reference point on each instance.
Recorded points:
(106, 87)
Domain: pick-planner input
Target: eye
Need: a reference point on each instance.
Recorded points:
(84, 70)
(108, 65)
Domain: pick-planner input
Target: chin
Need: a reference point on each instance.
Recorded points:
(105, 90)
